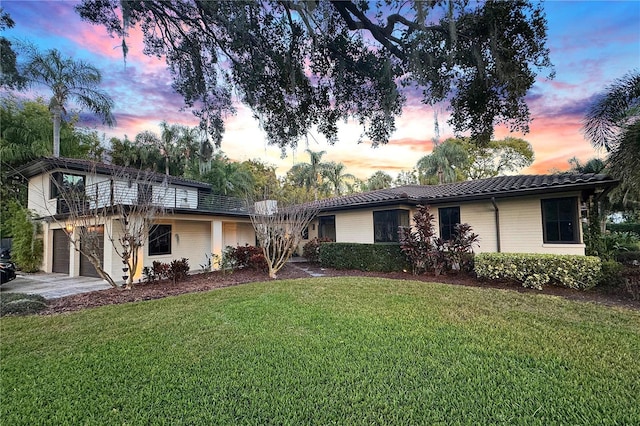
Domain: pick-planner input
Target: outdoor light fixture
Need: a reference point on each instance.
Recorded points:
(69, 227)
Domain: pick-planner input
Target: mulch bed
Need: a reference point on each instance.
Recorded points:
(214, 280)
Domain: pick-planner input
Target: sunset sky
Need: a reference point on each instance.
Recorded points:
(592, 43)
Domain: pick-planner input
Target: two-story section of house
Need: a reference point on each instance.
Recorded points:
(192, 222)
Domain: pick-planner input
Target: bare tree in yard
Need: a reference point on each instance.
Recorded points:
(279, 230)
(123, 207)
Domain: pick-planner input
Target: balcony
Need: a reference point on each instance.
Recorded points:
(110, 193)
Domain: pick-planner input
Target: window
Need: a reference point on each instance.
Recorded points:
(386, 223)
(66, 183)
(327, 227)
(560, 220)
(449, 218)
(159, 240)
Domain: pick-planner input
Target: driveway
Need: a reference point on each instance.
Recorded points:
(52, 286)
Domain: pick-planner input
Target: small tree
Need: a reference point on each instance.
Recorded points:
(126, 199)
(26, 247)
(279, 230)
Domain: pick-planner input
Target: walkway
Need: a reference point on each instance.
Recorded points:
(52, 286)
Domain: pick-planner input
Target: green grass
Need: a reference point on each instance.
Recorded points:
(323, 351)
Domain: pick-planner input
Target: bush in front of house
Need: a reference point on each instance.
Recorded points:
(21, 304)
(311, 250)
(536, 270)
(178, 270)
(245, 257)
(365, 257)
(426, 252)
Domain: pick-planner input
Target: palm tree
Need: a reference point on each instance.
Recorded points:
(379, 180)
(315, 170)
(68, 80)
(446, 162)
(613, 123)
(334, 172)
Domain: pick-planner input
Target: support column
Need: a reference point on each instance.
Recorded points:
(216, 238)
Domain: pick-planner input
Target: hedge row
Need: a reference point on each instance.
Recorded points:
(624, 227)
(536, 270)
(365, 257)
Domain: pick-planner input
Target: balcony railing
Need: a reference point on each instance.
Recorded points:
(111, 193)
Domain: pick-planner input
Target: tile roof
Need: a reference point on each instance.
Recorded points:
(40, 165)
(498, 187)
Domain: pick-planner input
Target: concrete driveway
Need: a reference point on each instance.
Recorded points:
(52, 286)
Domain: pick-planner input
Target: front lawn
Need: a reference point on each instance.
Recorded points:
(322, 351)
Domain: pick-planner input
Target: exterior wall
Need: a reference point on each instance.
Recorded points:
(38, 196)
(238, 234)
(521, 227)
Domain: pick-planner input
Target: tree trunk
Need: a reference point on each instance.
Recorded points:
(57, 118)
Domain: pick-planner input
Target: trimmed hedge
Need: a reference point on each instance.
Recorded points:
(624, 227)
(365, 257)
(628, 257)
(536, 270)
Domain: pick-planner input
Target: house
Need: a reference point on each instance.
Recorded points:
(193, 222)
(512, 214)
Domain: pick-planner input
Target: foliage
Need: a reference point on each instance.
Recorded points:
(304, 65)
(311, 250)
(631, 276)
(27, 248)
(612, 122)
(10, 77)
(178, 270)
(536, 270)
(69, 80)
(157, 272)
(428, 253)
(364, 257)
(246, 256)
(624, 227)
(326, 351)
(497, 157)
(629, 257)
(610, 274)
(379, 180)
(444, 165)
(21, 304)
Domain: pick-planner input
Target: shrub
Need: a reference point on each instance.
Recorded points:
(158, 271)
(365, 257)
(425, 252)
(27, 248)
(21, 304)
(536, 270)
(178, 270)
(624, 227)
(631, 276)
(311, 250)
(611, 274)
(245, 256)
(629, 257)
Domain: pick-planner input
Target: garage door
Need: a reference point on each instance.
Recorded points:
(86, 267)
(60, 251)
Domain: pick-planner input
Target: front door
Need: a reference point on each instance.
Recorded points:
(60, 252)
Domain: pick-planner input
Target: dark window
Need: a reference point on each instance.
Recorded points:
(305, 233)
(64, 183)
(449, 218)
(327, 227)
(159, 240)
(386, 223)
(560, 221)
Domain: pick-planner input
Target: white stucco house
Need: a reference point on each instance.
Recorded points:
(515, 214)
(511, 214)
(195, 223)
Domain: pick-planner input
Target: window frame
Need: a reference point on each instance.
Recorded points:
(391, 219)
(321, 226)
(56, 183)
(154, 241)
(450, 226)
(574, 219)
